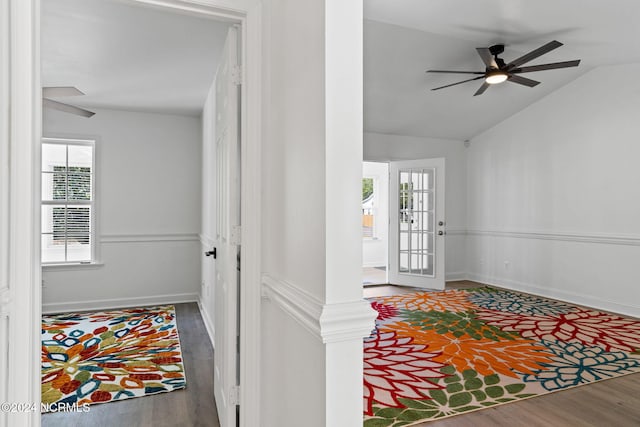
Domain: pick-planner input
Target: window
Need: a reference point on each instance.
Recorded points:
(67, 201)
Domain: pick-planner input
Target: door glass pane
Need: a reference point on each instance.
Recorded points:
(428, 201)
(416, 221)
(427, 220)
(427, 265)
(427, 242)
(404, 261)
(404, 240)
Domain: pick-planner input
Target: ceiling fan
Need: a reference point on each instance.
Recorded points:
(497, 71)
(56, 91)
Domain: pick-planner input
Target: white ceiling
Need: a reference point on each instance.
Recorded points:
(404, 38)
(129, 57)
(139, 58)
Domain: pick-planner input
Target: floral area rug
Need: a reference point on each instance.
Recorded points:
(112, 355)
(442, 353)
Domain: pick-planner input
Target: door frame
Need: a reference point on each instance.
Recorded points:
(21, 250)
(393, 274)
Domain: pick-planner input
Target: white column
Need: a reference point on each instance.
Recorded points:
(24, 276)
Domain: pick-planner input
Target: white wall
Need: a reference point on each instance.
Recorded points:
(313, 316)
(380, 147)
(293, 207)
(148, 202)
(374, 250)
(553, 199)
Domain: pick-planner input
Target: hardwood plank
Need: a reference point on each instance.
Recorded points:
(192, 406)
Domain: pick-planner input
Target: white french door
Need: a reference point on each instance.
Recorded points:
(227, 234)
(417, 223)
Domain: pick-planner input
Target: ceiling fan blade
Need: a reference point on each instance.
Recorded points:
(487, 57)
(453, 84)
(542, 67)
(533, 54)
(523, 81)
(66, 108)
(482, 88)
(54, 91)
(455, 72)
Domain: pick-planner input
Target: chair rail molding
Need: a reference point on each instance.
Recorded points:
(602, 238)
(455, 230)
(206, 240)
(327, 322)
(147, 237)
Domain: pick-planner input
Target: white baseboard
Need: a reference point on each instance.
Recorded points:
(570, 297)
(104, 304)
(208, 323)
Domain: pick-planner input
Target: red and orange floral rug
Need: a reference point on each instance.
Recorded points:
(112, 355)
(442, 353)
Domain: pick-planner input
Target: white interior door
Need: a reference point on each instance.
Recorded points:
(227, 234)
(417, 223)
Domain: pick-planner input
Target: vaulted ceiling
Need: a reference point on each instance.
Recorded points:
(140, 58)
(404, 38)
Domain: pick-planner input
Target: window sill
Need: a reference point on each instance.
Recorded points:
(72, 266)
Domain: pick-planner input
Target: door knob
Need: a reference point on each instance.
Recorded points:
(440, 223)
(440, 233)
(212, 253)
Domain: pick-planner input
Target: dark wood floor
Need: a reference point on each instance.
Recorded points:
(610, 403)
(192, 406)
(614, 403)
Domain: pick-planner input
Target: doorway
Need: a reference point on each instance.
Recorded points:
(417, 223)
(23, 308)
(375, 219)
(149, 151)
(403, 223)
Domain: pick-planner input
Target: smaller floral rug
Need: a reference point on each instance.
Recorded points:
(111, 355)
(443, 353)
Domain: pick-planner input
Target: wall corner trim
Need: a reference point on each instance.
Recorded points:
(327, 322)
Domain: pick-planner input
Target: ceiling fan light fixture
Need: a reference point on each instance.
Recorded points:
(497, 71)
(495, 77)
